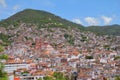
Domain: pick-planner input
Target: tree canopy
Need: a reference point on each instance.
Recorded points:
(55, 76)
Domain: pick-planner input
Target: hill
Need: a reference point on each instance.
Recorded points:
(29, 23)
(45, 19)
(39, 18)
(105, 30)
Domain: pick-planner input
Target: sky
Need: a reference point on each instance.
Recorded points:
(85, 12)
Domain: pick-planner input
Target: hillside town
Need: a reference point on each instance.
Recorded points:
(35, 54)
(59, 40)
(25, 65)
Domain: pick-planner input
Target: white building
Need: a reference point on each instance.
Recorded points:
(10, 68)
(31, 77)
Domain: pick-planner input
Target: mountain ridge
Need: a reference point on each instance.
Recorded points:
(37, 17)
(45, 19)
(105, 30)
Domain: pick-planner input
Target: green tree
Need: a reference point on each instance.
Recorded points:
(59, 76)
(4, 56)
(84, 38)
(5, 39)
(117, 57)
(88, 57)
(48, 78)
(3, 75)
(117, 78)
(1, 48)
